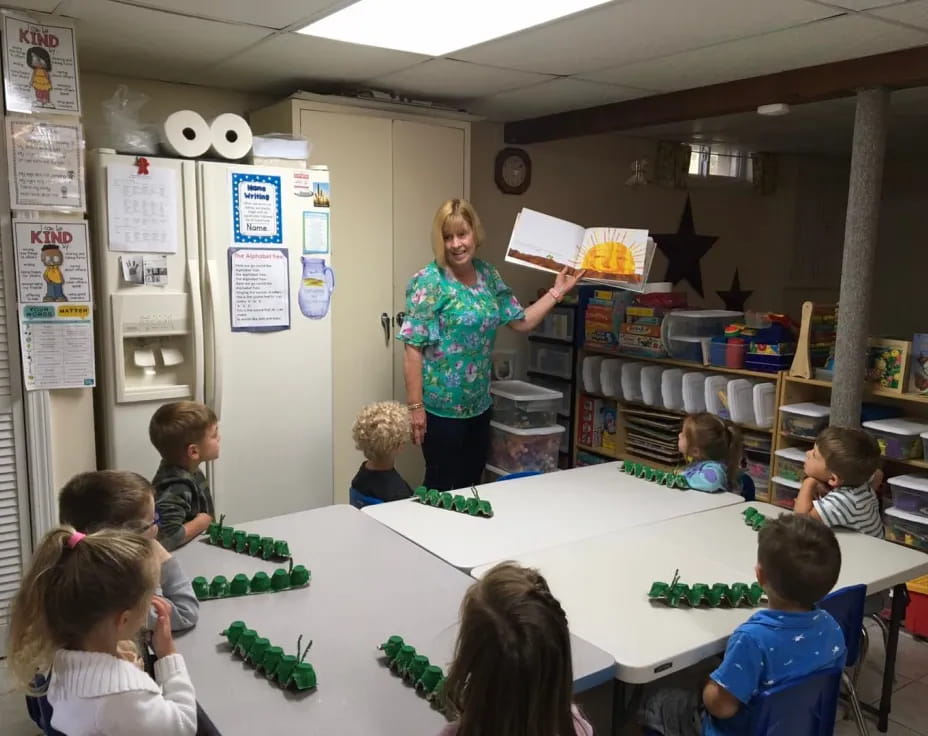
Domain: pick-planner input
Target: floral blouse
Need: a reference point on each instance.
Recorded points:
(455, 325)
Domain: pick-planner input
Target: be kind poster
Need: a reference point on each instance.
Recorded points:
(39, 66)
(52, 263)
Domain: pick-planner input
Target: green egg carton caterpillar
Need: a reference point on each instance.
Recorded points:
(674, 593)
(289, 671)
(220, 587)
(428, 679)
(661, 477)
(238, 540)
(754, 518)
(474, 506)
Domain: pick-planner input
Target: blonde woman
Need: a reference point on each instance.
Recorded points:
(380, 431)
(453, 308)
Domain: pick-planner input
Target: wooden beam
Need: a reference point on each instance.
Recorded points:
(896, 70)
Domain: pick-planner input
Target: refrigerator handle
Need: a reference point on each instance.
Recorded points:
(196, 298)
(212, 280)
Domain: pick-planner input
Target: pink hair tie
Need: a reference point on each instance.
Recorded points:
(74, 539)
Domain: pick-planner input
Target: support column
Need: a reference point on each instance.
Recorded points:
(860, 237)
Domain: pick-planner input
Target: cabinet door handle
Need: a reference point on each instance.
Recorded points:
(399, 319)
(385, 323)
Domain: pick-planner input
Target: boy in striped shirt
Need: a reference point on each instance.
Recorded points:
(842, 470)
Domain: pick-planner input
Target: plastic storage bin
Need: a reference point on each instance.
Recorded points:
(905, 528)
(910, 493)
(727, 353)
(557, 324)
(805, 420)
(790, 463)
(562, 387)
(685, 330)
(898, 438)
(520, 404)
(555, 360)
(784, 492)
(516, 450)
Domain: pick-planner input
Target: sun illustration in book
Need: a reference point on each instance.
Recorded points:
(607, 256)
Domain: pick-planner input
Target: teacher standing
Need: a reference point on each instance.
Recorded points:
(453, 308)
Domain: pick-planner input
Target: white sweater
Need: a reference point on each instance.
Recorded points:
(94, 694)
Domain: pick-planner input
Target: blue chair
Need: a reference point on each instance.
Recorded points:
(748, 491)
(512, 476)
(359, 500)
(847, 608)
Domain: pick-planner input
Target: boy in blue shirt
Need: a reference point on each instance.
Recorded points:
(798, 561)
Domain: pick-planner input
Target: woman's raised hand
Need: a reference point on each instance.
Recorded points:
(565, 280)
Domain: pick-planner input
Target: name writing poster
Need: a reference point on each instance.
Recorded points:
(46, 165)
(57, 346)
(256, 209)
(39, 66)
(141, 209)
(52, 263)
(259, 299)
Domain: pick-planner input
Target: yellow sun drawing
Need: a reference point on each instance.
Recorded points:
(610, 257)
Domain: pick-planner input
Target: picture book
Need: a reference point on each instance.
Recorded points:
(613, 256)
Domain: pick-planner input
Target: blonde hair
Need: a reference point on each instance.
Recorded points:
(104, 499)
(381, 429)
(69, 590)
(713, 439)
(454, 212)
(176, 426)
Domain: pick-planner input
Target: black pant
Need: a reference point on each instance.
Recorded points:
(455, 451)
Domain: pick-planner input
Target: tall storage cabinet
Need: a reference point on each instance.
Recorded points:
(390, 170)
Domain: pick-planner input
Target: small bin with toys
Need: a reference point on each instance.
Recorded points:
(906, 528)
(805, 420)
(916, 614)
(791, 463)
(520, 404)
(784, 492)
(910, 493)
(899, 439)
(517, 450)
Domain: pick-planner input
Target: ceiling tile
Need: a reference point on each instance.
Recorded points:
(293, 61)
(629, 31)
(861, 4)
(558, 95)
(829, 40)
(275, 14)
(913, 13)
(455, 79)
(136, 42)
(40, 6)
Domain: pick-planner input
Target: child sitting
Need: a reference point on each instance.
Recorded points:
(713, 449)
(113, 499)
(380, 431)
(512, 669)
(81, 597)
(798, 561)
(842, 470)
(186, 434)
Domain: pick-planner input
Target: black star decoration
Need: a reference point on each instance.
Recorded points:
(683, 250)
(735, 298)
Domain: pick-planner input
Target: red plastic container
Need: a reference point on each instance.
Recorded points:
(916, 614)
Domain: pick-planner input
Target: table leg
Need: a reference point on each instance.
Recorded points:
(900, 599)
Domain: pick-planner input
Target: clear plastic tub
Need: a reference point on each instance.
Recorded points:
(562, 387)
(910, 493)
(555, 360)
(684, 330)
(762, 492)
(791, 463)
(517, 450)
(784, 492)
(557, 324)
(805, 420)
(520, 404)
(899, 439)
(905, 528)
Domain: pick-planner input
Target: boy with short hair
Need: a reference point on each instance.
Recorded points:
(798, 561)
(186, 434)
(380, 431)
(842, 470)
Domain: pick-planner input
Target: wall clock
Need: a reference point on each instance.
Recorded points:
(513, 171)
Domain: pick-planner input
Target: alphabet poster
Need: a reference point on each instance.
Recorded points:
(52, 262)
(39, 66)
(256, 209)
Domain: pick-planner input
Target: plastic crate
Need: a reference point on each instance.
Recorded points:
(553, 360)
(899, 439)
(791, 463)
(805, 420)
(516, 450)
(521, 404)
(905, 528)
(783, 492)
(910, 493)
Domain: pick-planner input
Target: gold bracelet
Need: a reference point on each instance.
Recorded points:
(416, 406)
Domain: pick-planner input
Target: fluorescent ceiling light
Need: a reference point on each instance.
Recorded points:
(438, 27)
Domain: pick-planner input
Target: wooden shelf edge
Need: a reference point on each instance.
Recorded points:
(868, 391)
(772, 377)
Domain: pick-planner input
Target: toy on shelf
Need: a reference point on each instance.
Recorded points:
(287, 670)
(674, 593)
(754, 518)
(661, 477)
(227, 537)
(261, 582)
(475, 506)
(428, 679)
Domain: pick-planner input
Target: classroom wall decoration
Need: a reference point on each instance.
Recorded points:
(52, 261)
(46, 164)
(39, 65)
(735, 297)
(684, 249)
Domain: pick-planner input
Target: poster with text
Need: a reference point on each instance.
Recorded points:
(39, 66)
(259, 299)
(52, 261)
(57, 346)
(141, 209)
(256, 209)
(46, 165)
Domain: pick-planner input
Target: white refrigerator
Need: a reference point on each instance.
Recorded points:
(239, 320)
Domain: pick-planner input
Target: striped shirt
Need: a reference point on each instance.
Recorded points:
(851, 508)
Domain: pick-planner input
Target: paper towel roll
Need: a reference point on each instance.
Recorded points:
(230, 136)
(185, 133)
